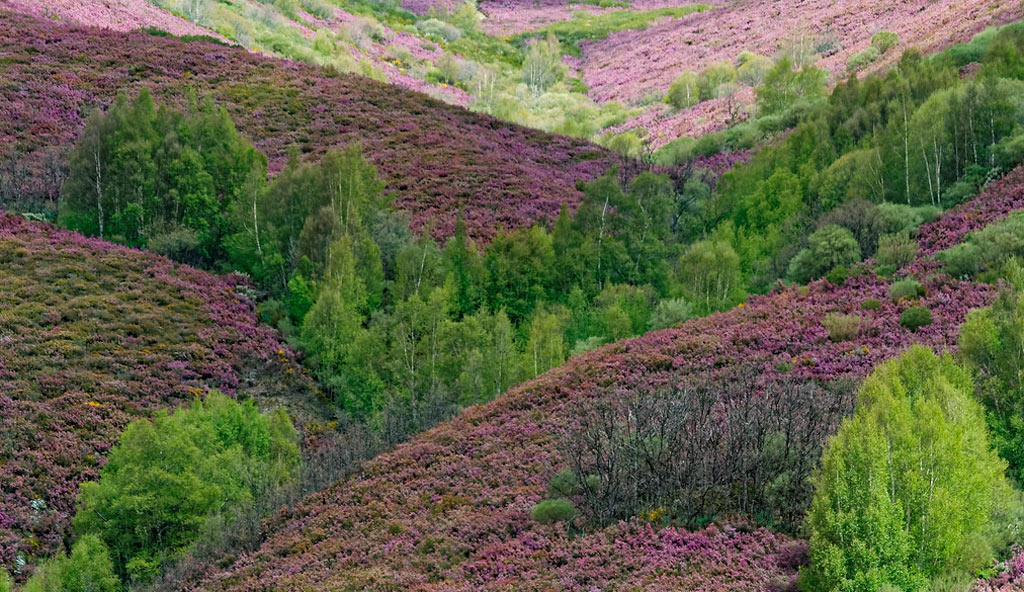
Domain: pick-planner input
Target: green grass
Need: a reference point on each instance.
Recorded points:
(590, 27)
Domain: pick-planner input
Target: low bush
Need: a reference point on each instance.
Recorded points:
(669, 313)
(883, 41)
(986, 249)
(842, 327)
(87, 569)
(553, 510)
(871, 304)
(915, 317)
(908, 289)
(896, 250)
(863, 58)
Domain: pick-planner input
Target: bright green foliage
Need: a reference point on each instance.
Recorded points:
(542, 65)
(553, 510)
(783, 87)
(520, 271)
(753, 68)
(545, 345)
(863, 58)
(6, 581)
(709, 274)
(714, 77)
(992, 339)
(669, 313)
(685, 91)
(871, 304)
(87, 569)
(139, 173)
(623, 310)
(883, 41)
(166, 477)
(831, 247)
(908, 485)
(895, 250)
(915, 317)
(987, 248)
(906, 289)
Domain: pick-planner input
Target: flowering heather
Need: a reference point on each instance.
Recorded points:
(93, 336)
(435, 158)
(630, 64)
(450, 509)
(1010, 580)
(119, 15)
(512, 17)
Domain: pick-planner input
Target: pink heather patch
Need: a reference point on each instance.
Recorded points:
(119, 15)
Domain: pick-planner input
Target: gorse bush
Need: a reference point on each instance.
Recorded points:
(910, 485)
(167, 477)
(895, 251)
(883, 41)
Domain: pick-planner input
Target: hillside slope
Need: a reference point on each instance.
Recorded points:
(450, 509)
(436, 158)
(94, 335)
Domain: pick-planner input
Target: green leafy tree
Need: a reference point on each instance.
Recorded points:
(709, 274)
(167, 476)
(685, 91)
(908, 485)
(783, 87)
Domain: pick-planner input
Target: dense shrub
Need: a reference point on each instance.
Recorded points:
(992, 339)
(669, 313)
(910, 486)
(986, 249)
(861, 59)
(553, 510)
(168, 476)
(439, 30)
(907, 289)
(830, 247)
(883, 41)
(87, 569)
(669, 452)
(842, 327)
(915, 317)
(709, 273)
(895, 251)
(871, 304)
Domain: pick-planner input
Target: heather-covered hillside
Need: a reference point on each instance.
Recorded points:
(94, 335)
(119, 15)
(435, 158)
(451, 509)
(630, 65)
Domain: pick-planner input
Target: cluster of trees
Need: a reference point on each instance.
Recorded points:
(159, 178)
(401, 330)
(163, 486)
(918, 135)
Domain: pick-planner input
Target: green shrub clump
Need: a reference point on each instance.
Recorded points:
(168, 476)
(986, 249)
(871, 304)
(883, 41)
(842, 327)
(861, 59)
(830, 247)
(87, 569)
(895, 251)
(908, 289)
(553, 510)
(910, 489)
(916, 317)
